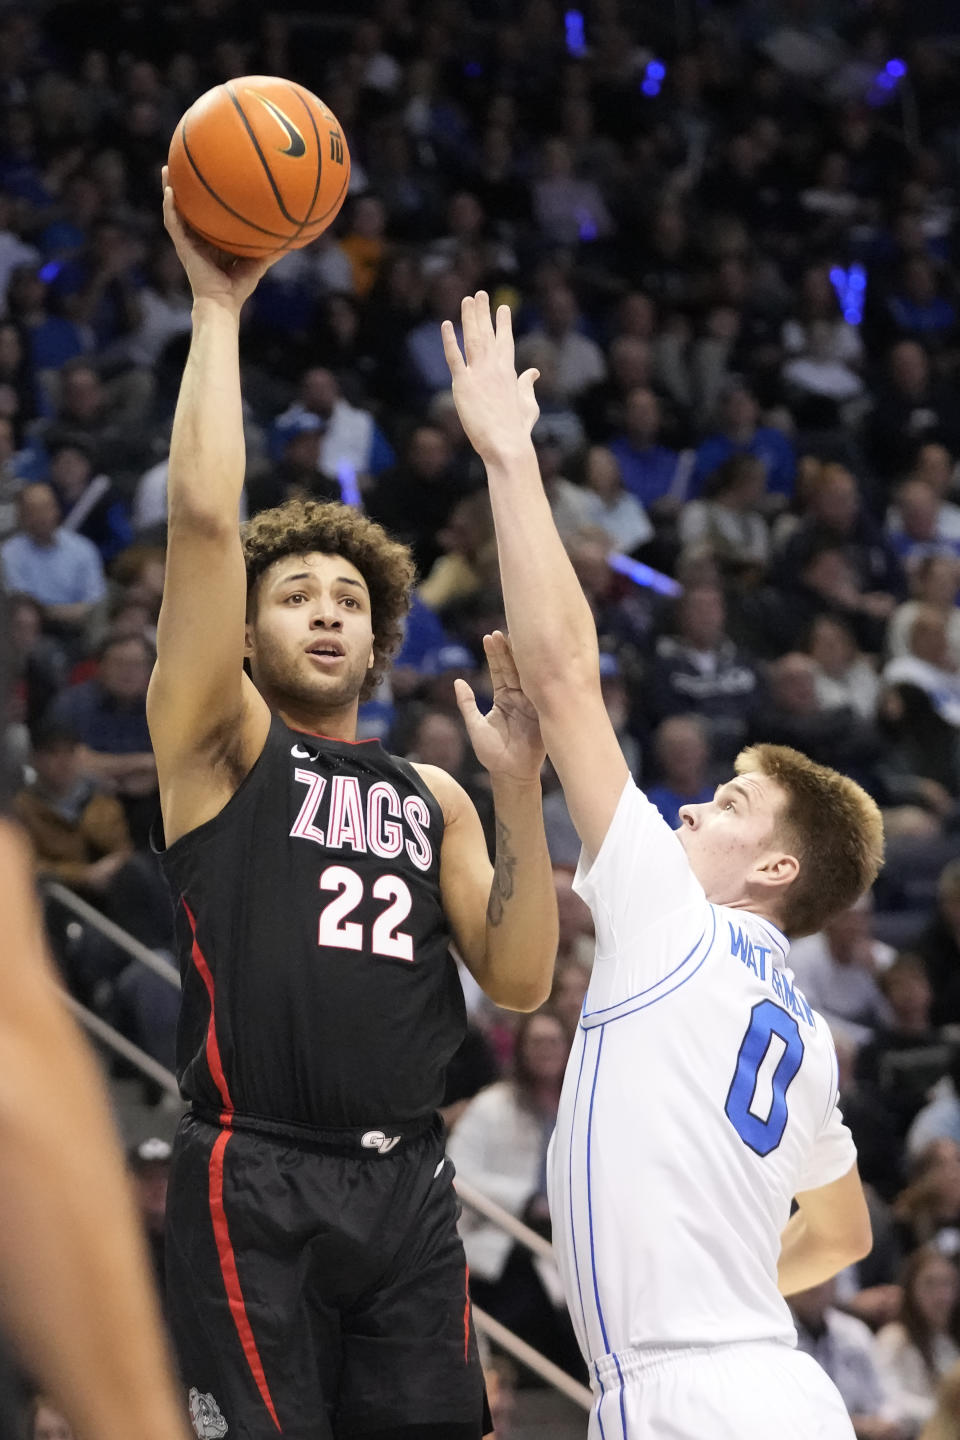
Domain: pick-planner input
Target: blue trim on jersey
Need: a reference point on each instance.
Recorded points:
(593, 1252)
(589, 1014)
(589, 1021)
(623, 1407)
(603, 1392)
(573, 1232)
(833, 1094)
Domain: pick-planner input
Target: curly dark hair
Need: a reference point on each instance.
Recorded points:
(301, 527)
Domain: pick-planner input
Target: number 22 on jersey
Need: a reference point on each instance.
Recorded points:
(386, 937)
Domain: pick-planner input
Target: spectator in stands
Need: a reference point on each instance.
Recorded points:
(38, 663)
(844, 1347)
(729, 518)
(161, 309)
(97, 288)
(917, 306)
(109, 716)
(62, 571)
(740, 432)
(699, 670)
(78, 830)
(652, 472)
(944, 1424)
(914, 523)
(424, 347)
(843, 676)
(578, 359)
(836, 517)
(837, 969)
(915, 1352)
(558, 418)
(938, 947)
(913, 408)
(928, 1210)
(109, 417)
(351, 442)
(605, 504)
(499, 1147)
(414, 499)
(468, 566)
(630, 367)
(928, 666)
(92, 505)
(682, 754)
(568, 209)
(52, 340)
(934, 582)
(907, 1054)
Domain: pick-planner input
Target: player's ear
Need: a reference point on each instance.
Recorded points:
(777, 870)
(370, 659)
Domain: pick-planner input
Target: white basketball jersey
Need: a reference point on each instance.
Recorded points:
(700, 1097)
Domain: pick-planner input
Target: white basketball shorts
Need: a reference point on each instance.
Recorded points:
(744, 1391)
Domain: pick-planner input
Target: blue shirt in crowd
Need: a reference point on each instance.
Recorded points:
(68, 571)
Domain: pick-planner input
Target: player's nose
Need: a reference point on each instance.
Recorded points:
(689, 816)
(326, 617)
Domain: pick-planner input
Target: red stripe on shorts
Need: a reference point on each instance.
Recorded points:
(466, 1315)
(231, 1276)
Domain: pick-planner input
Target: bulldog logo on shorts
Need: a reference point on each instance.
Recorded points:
(206, 1416)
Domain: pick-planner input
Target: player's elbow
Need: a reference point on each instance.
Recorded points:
(860, 1240)
(556, 679)
(519, 993)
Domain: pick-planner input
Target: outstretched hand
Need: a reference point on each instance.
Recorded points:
(497, 408)
(507, 740)
(213, 274)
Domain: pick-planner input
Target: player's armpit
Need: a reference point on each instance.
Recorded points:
(829, 1230)
(586, 754)
(201, 759)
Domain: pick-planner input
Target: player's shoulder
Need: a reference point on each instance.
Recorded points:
(448, 792)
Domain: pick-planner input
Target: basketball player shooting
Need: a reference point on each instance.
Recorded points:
(700, 1095)
(316, 1281)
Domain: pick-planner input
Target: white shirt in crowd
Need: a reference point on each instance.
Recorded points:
(497, 1146)
(911, 1390)
(942, 687)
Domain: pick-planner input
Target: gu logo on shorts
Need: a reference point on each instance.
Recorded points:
(376, 1140)
(206, 1417)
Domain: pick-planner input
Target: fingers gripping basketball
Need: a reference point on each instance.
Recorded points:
(259, 165)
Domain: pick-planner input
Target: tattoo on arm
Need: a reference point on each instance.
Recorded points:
(504, 865)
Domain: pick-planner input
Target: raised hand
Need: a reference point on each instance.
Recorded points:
(497, 408)
(213, 274)
(507, 740)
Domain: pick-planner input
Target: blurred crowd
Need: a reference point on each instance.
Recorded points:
(726, 235)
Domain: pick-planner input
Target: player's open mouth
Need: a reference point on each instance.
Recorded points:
(327, 653)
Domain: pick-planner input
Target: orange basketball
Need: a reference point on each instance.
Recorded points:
(259, 165)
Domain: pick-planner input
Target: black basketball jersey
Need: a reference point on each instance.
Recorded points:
(318, 986)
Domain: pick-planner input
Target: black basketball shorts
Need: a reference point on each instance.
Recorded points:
(318, 1290)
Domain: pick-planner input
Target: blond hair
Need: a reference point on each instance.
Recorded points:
(833, 827)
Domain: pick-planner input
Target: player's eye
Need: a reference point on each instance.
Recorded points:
(298, 595)
(349, 600)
